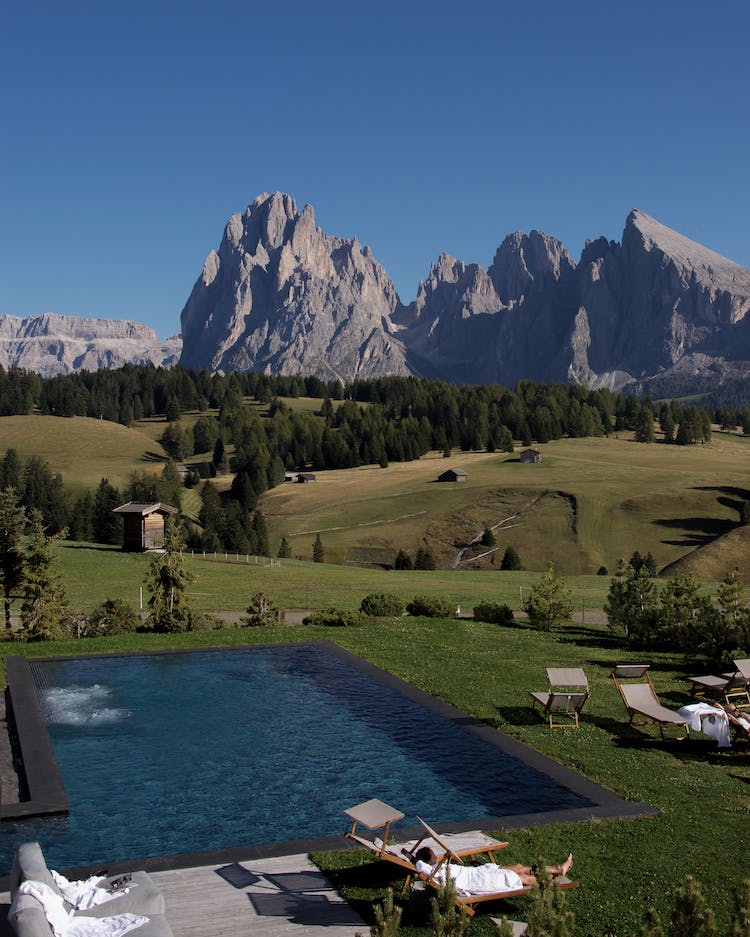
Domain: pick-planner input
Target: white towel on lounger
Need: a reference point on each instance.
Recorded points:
(68, 925)
(86, 894)
(710, 720)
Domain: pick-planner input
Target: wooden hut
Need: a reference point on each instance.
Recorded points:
(531, 456)
(143, 525)
(453, 475)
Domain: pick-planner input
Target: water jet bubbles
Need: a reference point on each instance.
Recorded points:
(82, 705)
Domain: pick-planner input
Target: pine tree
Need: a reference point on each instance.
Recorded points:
(488, 537)
(12, 523)
(550, 603)
(387, 917)
(107, 526)
(424, 559)
(511, 559)
(318, 550)
(44, 604)
(285, 549)
(168, 579)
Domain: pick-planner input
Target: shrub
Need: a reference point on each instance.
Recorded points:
(382, 604)
(335, 618)
(261, 611)
(430, 606)
(113, 616)
(494, 612)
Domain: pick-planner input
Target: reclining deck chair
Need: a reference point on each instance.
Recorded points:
(567, 695)
(734, 687)
(640, 698)
(455, 847)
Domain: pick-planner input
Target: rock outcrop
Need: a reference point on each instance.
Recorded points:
(280, 296)
(51, 344)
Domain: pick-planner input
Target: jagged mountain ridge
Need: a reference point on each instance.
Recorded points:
(51, 344)
(282, 296)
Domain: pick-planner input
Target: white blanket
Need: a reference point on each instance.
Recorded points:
(86, 894)
(712, 721)
(473, 879)
(67, 925)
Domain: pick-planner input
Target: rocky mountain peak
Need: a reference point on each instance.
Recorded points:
(526, 262)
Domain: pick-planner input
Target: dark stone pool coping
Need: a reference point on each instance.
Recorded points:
(48, 791)
(47, 795)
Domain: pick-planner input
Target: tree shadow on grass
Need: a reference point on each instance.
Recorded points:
(704, 529)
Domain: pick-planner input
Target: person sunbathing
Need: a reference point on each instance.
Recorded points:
(483, 879)
(737, 716)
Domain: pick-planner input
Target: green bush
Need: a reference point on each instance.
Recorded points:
(430, 606)
(382, 604)
(335, 618)
(113, 616)
(494, 612)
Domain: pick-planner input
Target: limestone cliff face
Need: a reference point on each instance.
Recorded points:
(281, 296)
(659, 298)
(51, 344)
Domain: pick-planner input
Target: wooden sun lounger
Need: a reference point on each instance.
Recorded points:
(446, 846)
(566, 697)
(734, 687)
(469, 902)
(640, 699)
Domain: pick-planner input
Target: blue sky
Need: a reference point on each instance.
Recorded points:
(131, 132)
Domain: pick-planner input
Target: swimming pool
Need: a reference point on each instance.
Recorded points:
(185, 752)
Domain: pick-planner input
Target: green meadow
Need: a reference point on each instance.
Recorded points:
(590, 502)
(625, 866)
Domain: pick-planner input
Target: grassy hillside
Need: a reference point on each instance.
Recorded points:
(81, 449)
(590, 502)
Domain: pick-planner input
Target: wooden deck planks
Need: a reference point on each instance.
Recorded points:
(264, 897)
(280, 897)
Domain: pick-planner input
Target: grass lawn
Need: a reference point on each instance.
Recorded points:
(93, 572)
(624, 866)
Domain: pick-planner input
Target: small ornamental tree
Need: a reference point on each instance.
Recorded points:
(168, 579)
(550, 603)
(448, 918)
(260, 612)
(387, 917)
(44, 606)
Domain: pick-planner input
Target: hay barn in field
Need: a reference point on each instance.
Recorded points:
(143, 525)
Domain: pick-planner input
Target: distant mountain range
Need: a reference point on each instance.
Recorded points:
(51, 344)
(282, 296)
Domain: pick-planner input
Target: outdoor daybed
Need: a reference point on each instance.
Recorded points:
(27, 917)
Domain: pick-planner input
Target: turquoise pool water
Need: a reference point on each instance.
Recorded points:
(174, 753)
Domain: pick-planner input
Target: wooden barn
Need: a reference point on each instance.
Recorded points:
(532, 456)
(143, 525)
(453, 475)
(304, 478)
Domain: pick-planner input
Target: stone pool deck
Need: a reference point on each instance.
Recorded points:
(272, 897)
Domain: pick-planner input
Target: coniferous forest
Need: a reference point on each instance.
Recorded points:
(374, 421)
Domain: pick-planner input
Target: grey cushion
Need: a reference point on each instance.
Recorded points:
(144, 898)
(29, 865)
(27, 917)
(156, 926)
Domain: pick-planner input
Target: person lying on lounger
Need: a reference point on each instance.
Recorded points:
(483, 879)
(737, 716)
